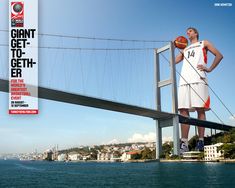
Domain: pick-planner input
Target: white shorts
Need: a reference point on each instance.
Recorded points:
(191, 96)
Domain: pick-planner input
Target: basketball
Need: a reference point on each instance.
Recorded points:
(181, 42)
(17, 7)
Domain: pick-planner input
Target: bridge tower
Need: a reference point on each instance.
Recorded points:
(174, 120)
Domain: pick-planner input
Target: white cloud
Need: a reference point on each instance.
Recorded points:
(232, 117)
(114, 141)
(167, 139)
(137, 137)
(150, 137)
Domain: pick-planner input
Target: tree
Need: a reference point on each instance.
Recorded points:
(167, 148)
(232, 135)
(146, 154)
(226, 138)
(136, 156)
(228, 150)
(192, 143)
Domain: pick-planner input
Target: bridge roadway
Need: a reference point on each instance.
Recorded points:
(62, 96)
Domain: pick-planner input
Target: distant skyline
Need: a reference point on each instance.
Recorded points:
(111, 76)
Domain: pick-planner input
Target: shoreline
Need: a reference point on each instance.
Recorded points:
(200, 161)
(140, 161)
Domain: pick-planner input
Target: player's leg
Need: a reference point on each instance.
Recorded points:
(184, 132)
(184, 105)
(201, 130)
(202, 116)
(201, 102)
(184, 127)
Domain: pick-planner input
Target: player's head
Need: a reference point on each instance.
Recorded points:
(192, 33)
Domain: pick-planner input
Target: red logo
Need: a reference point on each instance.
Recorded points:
(17, 14)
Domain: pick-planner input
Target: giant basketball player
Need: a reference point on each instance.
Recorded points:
(193, 90)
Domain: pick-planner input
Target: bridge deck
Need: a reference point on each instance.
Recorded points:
(61, 96)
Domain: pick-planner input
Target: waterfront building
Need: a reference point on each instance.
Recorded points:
(192, 155)
(74, 156)
(47, 155)
(62, 157)
(104, 156)
(211, 152)
(128, 155)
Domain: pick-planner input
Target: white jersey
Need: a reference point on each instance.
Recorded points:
(195, 54)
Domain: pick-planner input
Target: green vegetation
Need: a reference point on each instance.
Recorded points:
(192, 143)
(228, 150)
(136, 156)
(228, 138)
(167, 149)
(148, 154)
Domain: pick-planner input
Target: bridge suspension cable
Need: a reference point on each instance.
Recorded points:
(108, 63)
(116, 49)
(87, 49)
(95, 38)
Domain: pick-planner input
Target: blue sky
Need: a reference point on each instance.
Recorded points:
(96, 73)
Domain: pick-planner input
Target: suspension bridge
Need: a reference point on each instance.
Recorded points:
(163, 119)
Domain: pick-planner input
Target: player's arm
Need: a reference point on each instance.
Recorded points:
(217, 59)
(179, 58)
